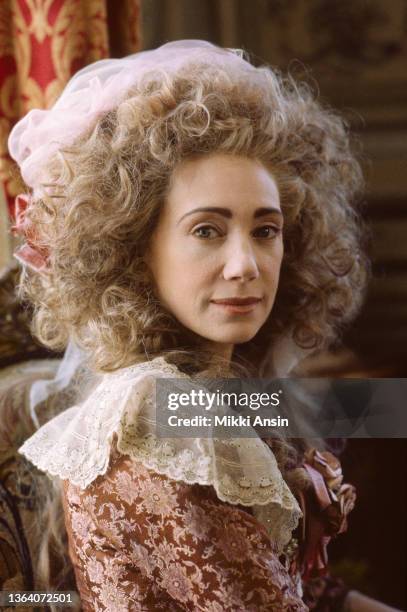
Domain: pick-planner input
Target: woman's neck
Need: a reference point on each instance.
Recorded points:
(220, 350)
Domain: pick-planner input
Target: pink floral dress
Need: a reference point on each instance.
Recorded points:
(140, 541)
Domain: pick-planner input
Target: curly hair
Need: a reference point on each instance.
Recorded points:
(107, 189)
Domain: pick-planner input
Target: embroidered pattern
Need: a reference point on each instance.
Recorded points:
(141, 541)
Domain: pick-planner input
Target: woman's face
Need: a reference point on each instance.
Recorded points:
(216, 252)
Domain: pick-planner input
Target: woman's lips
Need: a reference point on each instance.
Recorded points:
(237, 305)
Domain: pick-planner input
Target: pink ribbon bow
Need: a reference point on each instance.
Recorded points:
(29, 254)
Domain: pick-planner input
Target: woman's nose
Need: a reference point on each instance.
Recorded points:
(240, 262)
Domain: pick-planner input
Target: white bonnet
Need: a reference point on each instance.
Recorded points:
(95, 90)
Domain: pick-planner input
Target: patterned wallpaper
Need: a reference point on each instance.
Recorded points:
(42, 43)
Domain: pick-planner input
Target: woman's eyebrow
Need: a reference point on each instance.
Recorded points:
(226, 212)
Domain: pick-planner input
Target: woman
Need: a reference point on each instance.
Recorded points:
(189, 214)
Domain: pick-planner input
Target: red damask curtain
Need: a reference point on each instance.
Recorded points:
(42, 43)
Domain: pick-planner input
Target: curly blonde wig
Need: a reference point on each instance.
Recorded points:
(107, 189)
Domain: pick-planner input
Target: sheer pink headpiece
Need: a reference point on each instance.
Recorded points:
(92, 92)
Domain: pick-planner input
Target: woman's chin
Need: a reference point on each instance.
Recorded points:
(233, 337)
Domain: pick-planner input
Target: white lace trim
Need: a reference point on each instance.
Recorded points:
(76, 444)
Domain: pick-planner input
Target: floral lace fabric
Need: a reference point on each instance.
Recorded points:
(76, 446)
(142, 541)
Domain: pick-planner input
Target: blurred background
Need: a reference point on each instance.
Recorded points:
(355, 53)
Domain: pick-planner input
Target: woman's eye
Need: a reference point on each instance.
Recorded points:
(206, 231)
(267, 232)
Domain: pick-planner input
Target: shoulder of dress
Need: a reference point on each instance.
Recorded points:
(75, 445)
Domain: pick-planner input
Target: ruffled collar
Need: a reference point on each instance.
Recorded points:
(76, 445)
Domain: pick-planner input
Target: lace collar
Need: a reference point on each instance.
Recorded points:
(76, 445)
